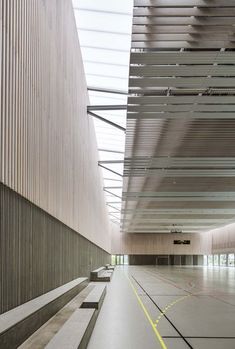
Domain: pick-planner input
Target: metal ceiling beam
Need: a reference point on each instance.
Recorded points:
(179, 211)
(103, 90)
(174, 21)
(183, 3)
(191, 194)
(179, 173)
(106, 107)
(181, 29)
(156, 231)
(112, 215)
(204, 44)
(182, 70)
(107, 121)
(108, 169)
(181, 100)
(184, 12)
(183, 57)
(194, 221)
(188, 115)
(180, 199)
(116, 222)
(112, 187)
(195, 82)
(111, 151)
(181, 106)
(111, 161)
(197, 160)
(173, 108)
(109, 192)
(113, 207)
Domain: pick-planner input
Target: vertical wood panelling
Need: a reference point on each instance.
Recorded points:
(223, 239)
(152, 244)
(38, 252)
(48, 150)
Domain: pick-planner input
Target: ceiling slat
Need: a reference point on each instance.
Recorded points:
(179, 166)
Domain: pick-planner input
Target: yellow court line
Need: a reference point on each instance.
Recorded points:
(169, 305)
(159, 337)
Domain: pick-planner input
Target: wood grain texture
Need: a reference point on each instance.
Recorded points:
(162, 244)
(223, 239)
(48, 150)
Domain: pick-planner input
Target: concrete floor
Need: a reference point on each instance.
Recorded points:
(167, 307)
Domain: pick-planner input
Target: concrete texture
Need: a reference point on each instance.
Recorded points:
(72, 333)
(38, 253)
(44, 334)
(18, 324)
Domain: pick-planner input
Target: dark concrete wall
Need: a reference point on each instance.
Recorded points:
(165, 259)
(142, 259)
(37, 252)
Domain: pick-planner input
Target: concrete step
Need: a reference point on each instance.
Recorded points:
(19, 323)
(75, 333)
(95, 298)
(101, 274)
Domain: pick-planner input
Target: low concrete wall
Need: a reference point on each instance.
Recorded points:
(166, 259)
(37, 252)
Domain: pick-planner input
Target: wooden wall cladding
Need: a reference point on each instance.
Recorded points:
(37, 252)
(48, 151)
(152, 244)
(223, 239)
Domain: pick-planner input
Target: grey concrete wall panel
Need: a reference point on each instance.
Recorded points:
(166, 259)
(198, 260)
(189, 260)
(142, 260)
(177, 260)
(37, 252)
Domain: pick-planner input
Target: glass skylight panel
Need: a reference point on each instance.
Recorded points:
(104, 29)
(105, 82)
(110, 41)
(97, 98)
(119, 6)
(116, 71)
(104, 56)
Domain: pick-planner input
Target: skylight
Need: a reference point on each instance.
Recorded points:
(104, 29)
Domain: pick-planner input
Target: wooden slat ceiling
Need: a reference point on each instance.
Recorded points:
(179, 168)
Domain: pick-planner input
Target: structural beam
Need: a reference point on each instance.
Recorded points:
(103, 90)
(106, 107)
(107, 121)
(108, 169)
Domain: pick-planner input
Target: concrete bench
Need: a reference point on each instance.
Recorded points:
(75, 333)
(109, 267)
(19, 323)
(101, 274)
(95, 298)
(98, 271)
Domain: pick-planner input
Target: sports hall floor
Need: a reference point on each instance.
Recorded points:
(167, 307)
